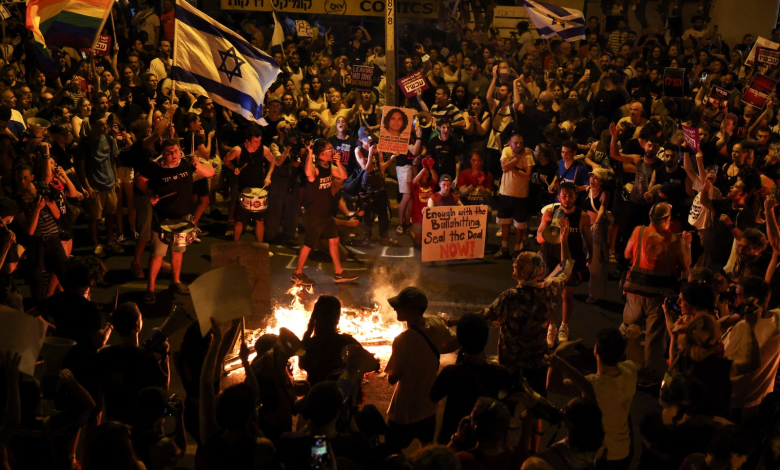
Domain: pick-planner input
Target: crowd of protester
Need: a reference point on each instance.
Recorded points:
(578, 137)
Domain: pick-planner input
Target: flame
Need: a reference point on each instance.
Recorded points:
(374, 332)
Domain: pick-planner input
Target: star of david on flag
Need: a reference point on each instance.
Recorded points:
(552, 20)
(210, 59)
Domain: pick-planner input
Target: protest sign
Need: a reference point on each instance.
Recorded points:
(757, 93)
(254, 257)
(760, 42)
(674, 82)
(362, 76)
(303, 29)
(102, 47)
(22, 334)
(395, 129)
(766, 57)
(691, 137)
(715, 106)
(413, 83)
(222, 293)
(454, 232)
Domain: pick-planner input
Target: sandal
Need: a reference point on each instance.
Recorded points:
(180, 288)
(150, 298)
(400, 230)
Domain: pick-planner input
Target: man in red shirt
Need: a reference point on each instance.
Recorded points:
(474, 183)
(168, 20)
(423, 187)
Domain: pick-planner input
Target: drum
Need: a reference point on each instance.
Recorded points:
(254, 199)
(177, 232)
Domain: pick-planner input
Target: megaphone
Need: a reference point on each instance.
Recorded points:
(552, 234)
(38, 126)
(306, 126)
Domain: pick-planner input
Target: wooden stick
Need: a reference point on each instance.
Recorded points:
(168, 195)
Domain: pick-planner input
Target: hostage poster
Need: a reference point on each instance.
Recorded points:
(757, 93)
(395, 129)
(454, 232)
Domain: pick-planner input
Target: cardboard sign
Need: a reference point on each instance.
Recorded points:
(691, 137)
(222, 293)
(395, 129)
(413, 83)
(674, 82)
(757, 93)
(362, 76)
(766, 57)
(103, 46)
(303, 29)
(760, 42)
(715, 106)
(254, 257)
(22, 334)
(454, 232)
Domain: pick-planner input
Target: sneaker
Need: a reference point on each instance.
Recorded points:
(99, 251)
(400, 230)
(114, 247)
(343, 277)
(121, 240)
(201, 233)
(301, 279)
(563, 333)
(552, 335)
(137, 270)
(165, 266)
(503, 253)
(229, 231)
(499, 233)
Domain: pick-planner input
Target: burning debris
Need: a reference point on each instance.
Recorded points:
(375, 333)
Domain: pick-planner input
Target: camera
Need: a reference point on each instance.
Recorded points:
(299, 136)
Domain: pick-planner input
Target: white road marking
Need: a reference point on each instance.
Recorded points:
(384, 253)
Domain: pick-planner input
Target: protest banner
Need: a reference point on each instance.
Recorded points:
(362, 76)
(766, 57)
(674, 82)
(413, 83)
(303, 29)
(254, 257)
(715, 106)
(757, 93)
(454, 232)
(395, 129)
(102, 47)
(691, 137)
(760, 42)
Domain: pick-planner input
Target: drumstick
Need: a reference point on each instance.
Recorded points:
(167, 195)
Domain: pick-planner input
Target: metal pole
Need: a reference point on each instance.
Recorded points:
(390, 85)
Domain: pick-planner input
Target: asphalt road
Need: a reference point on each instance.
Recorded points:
(454, 288)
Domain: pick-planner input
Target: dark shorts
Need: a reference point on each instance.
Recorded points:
(200, 188)
(513, 209)
(579, 274)
(319, 228)
(245, 217)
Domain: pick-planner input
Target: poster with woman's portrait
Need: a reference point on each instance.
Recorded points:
(395, 129)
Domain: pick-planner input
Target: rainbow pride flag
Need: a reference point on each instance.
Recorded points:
(72, 23)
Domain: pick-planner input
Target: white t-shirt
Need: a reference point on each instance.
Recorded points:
(749, 389)
(511, 183)
(148, 24)
(416, 365)
(614, 395)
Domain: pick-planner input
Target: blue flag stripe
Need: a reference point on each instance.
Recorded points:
(242, 99)
(242, 46)
(554, 9)
(564, 33)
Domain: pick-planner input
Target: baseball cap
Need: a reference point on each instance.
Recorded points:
(445, 177)
(412, 297)
(600, 173)
(660, 211)
(363, 133)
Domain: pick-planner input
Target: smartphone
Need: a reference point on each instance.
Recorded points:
(704, 77)
(83, 55)
(319, 453)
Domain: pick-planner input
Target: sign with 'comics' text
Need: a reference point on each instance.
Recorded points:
(413, 83)
(454, 232)
(757, 93)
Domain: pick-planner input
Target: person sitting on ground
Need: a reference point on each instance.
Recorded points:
(445, 196)
(322, 341)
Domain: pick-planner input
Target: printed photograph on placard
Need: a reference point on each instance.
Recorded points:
(395, 129)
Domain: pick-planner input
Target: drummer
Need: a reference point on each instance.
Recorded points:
(167, 182)
(253, 164)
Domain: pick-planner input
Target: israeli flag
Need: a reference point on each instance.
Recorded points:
(210, 59)
(551, 20)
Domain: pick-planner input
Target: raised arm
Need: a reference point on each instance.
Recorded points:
(613, 149)
(208, 409)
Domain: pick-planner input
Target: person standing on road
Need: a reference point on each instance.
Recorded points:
(318, 202)
(169, 176)
(657, 257)
(580, 242)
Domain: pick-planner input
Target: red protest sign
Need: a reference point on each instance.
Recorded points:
(757, 93)
(412, 83)
(103, 46)
(767, 57)
(691, 137)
